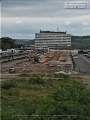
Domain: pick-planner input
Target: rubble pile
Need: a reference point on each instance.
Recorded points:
(49, 63)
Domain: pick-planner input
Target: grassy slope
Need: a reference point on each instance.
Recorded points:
(38, 96)
(79, 42)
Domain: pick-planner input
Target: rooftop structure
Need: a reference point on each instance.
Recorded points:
(52, 32)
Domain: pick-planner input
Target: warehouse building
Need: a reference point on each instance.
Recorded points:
(44, 39)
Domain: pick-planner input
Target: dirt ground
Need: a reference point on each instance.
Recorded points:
(48, 63)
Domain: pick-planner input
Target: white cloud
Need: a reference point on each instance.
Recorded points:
(67, 22)
(47, 15)
(19, 22)
(19, 36)
(85, 23)
(80, 18)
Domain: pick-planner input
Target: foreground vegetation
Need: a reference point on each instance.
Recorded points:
(41, 95)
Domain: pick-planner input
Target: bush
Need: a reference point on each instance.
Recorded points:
(36, 80)
(8, 85)
(63, 76)
(37, 75)
(24, 75)
(71, 99)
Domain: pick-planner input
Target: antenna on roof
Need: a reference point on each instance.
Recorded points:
(40, 31)
(57, 29)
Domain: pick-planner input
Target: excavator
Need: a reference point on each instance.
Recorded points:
(33, 57)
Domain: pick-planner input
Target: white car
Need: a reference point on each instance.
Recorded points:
(61, 72)
(76, 57)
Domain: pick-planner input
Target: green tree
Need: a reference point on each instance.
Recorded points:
(7, 43)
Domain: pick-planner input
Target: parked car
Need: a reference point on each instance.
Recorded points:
(11, 70)
(76, 57)
(88, 55)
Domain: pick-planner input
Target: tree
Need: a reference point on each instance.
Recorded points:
(7, 43)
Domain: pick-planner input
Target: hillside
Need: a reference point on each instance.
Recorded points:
(25, 41)
(20, 41)
(30, 42)
(81, 42)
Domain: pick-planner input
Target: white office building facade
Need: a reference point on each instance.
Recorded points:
(44, 39)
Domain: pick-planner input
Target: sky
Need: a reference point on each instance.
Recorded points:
(21, 19)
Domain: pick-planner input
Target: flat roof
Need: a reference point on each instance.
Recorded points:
(53, 32)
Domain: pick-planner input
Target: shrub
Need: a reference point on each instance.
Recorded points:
(24, 75)
(67, 100)
(37, 75)
(8, 85)
(36, 80)
(63, 76)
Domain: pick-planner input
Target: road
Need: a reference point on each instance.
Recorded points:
(11, 63)
(82, 63)
(6, 65)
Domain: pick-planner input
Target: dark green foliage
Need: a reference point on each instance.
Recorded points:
(69, 99)
(36, 80)
(30, 42)
(39, 96)
(81, 42)
(62, 76)
(7, 43)
(24, 75)
(8, 85)
(38, 75)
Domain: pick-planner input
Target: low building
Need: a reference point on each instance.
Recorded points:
(44, 39)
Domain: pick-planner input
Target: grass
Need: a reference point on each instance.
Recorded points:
(29, 75)
(8, 84)
(36, 96)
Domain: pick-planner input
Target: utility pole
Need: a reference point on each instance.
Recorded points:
(57, 29)
(82, 42)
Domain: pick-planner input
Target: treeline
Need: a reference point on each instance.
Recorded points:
(81, 42)
(77, 42)
(30, 42)
(7, 43)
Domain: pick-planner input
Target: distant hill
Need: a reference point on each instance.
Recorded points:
(25, 41)
(81, 42)
(20, 41)
(30, 42)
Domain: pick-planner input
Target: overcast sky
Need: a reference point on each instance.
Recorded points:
(21, 19)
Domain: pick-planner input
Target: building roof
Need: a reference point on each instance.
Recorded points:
(53, 32)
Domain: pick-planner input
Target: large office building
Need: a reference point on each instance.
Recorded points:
(45, 39)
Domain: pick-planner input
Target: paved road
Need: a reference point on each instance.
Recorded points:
(6, 65)
(11, 63)
(82, 64)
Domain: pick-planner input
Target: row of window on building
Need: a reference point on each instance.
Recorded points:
(49, 38)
